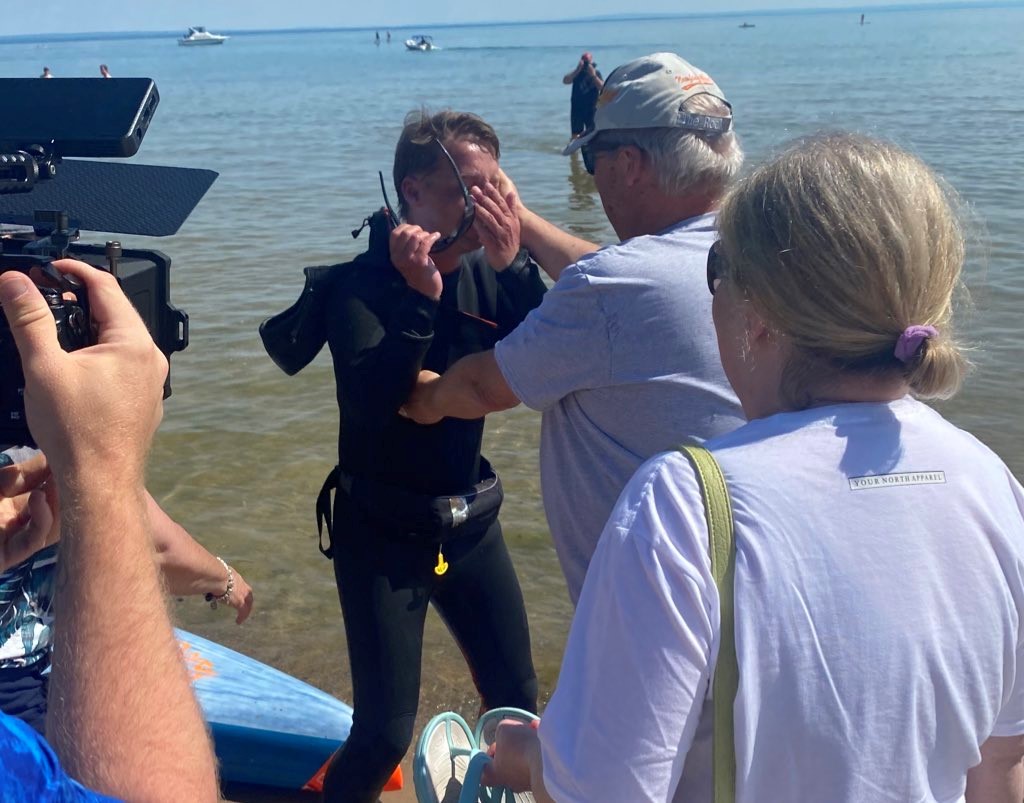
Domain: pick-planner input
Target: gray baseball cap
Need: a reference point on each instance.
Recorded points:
(649, 92)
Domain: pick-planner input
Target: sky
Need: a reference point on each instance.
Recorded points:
(86, 16)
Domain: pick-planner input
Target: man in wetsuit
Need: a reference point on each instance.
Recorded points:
(586, 86)
(415, 508)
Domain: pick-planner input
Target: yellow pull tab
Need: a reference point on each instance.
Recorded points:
(442, 565)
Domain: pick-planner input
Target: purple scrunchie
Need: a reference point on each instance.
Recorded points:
(911, 340)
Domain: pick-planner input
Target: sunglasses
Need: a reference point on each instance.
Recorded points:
(714, 266)
(468, 210)
(589, 153)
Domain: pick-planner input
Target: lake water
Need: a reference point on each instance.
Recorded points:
(298, 124)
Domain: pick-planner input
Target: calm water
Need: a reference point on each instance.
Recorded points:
(298, 124)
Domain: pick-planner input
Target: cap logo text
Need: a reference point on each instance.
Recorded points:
(688, 82)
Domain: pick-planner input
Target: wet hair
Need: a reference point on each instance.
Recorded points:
(686, 162)
(842, 242)
(416, 153)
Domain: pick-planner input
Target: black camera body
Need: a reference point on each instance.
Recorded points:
(51, 199)
(144, 276)
(74, 331)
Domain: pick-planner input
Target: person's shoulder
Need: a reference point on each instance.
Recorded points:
(661, 513)
(367, 276)
(687, 240)
(605, 261)
(666, 477)
(959, 443)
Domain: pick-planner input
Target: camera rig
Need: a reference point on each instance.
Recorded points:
(50, 200)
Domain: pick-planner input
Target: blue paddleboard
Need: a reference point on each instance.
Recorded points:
(268, 728)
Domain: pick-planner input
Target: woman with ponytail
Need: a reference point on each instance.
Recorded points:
(879, 550)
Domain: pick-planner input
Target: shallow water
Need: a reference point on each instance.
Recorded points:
(298, 124)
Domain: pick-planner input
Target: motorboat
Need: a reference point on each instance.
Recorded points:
(420, 42)
(200, 36)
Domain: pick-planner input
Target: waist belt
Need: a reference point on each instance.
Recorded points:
(410, 514)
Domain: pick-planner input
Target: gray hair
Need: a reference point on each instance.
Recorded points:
(686, 162)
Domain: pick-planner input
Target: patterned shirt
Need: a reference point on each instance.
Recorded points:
(26, 604)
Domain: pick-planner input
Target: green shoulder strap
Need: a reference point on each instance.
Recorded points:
(718, 510)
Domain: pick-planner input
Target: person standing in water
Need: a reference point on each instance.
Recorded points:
(586, 86)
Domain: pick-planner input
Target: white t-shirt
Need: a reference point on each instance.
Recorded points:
(879, 589)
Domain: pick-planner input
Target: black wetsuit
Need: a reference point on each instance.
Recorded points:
(381, 333)
(583, 102)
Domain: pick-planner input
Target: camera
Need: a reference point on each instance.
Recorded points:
(46, 200)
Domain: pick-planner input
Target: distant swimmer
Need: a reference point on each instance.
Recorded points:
(46, 73)
(586, 86)
(105, 71)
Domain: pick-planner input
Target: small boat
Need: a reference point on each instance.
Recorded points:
(747, 25)
(420, 42)
(198, 35)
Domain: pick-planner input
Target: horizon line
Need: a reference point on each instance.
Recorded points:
(925, 5)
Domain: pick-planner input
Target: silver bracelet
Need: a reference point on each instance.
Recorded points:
(225, 598)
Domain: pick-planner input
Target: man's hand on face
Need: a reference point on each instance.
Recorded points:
(100, 405)
(497, 224)
(28, 511)
(410, 254)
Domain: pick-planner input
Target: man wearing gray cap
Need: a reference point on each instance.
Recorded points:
(621, 356)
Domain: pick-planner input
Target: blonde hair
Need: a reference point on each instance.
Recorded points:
(842, 242)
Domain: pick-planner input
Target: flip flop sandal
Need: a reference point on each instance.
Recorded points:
(442, 759)
(450, 759)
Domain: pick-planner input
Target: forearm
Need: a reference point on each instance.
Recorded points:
(103, 697)
(999, 778)
(553, 248)
(471, 388)
(187, 567)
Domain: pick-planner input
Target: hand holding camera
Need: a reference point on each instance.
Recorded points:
(98, 403)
